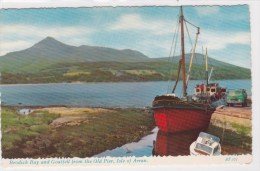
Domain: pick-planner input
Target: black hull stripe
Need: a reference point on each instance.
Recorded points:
(183, 108)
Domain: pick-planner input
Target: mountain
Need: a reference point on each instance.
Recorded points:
(199, 59)
(50, 51)
(51, 61)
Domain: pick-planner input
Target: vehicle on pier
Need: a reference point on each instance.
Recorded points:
(237, 97)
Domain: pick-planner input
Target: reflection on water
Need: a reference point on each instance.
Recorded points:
(174, 144)
(144, 147)
(156, 144)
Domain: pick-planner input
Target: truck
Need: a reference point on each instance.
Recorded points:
(236, 97)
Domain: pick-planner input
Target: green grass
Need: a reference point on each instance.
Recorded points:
(104, 130)
(141, 72)
(233, 142)
(76, 73)
(243, 130)
(16, 128)
(115, 72)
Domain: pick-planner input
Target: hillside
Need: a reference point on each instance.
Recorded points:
(51, 61)
(50, 51)
(198, 59)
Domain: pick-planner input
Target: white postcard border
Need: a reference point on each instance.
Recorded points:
(254, 6)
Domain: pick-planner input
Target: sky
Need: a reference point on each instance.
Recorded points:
(224, 30)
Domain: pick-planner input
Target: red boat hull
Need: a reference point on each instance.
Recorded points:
(175, 144)
(177, 120)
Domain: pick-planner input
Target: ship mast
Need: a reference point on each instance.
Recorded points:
(206, 67)
(182, 60)
(183, 55)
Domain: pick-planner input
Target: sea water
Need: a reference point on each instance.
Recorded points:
(123, 94)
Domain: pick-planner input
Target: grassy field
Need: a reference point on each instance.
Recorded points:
(142, 72)
(235, 132)
(17, 128)
(116, 72)
(84, 132)
(72, 74)
(71, 132)
(232, 142)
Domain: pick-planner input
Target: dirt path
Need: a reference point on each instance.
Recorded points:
(239, 112)
(237, 119)
(73, 116)
(72, 111)
(69, 121)
(237, 115)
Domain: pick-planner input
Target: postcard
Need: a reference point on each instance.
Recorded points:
(129, 84)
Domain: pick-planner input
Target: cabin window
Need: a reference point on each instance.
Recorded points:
(238, 92)
(203, 147)
(208, 89)
(234, 92)
(197, 90)
(213, 90)
(215, 149)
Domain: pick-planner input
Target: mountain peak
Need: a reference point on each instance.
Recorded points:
(49, 42)
(53, 50)
(48, 38)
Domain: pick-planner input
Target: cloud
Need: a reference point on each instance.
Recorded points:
(154, 37)
(18, 37)
(127, 22)
(62, 31)
(207, 10)
(150, 36)
(135, 22)
(220, 40)
(214, 40)
(9, 46)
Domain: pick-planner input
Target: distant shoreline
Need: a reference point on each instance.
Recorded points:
(115, 82)
(69, 106)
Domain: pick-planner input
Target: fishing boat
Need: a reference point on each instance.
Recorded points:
(177, 114)
(206, 144)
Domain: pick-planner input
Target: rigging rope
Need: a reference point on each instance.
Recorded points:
(177, 79)
(179, 67)
(175, 33)
(188, 35)
(176, 42)
(190, 23)
(192, 49)
(186, 21)
(200, 71)
(174, 49)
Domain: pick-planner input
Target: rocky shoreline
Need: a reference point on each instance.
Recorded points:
(64, 131)
(71, 131)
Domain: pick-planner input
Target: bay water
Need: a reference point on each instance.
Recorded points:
(124, 94)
